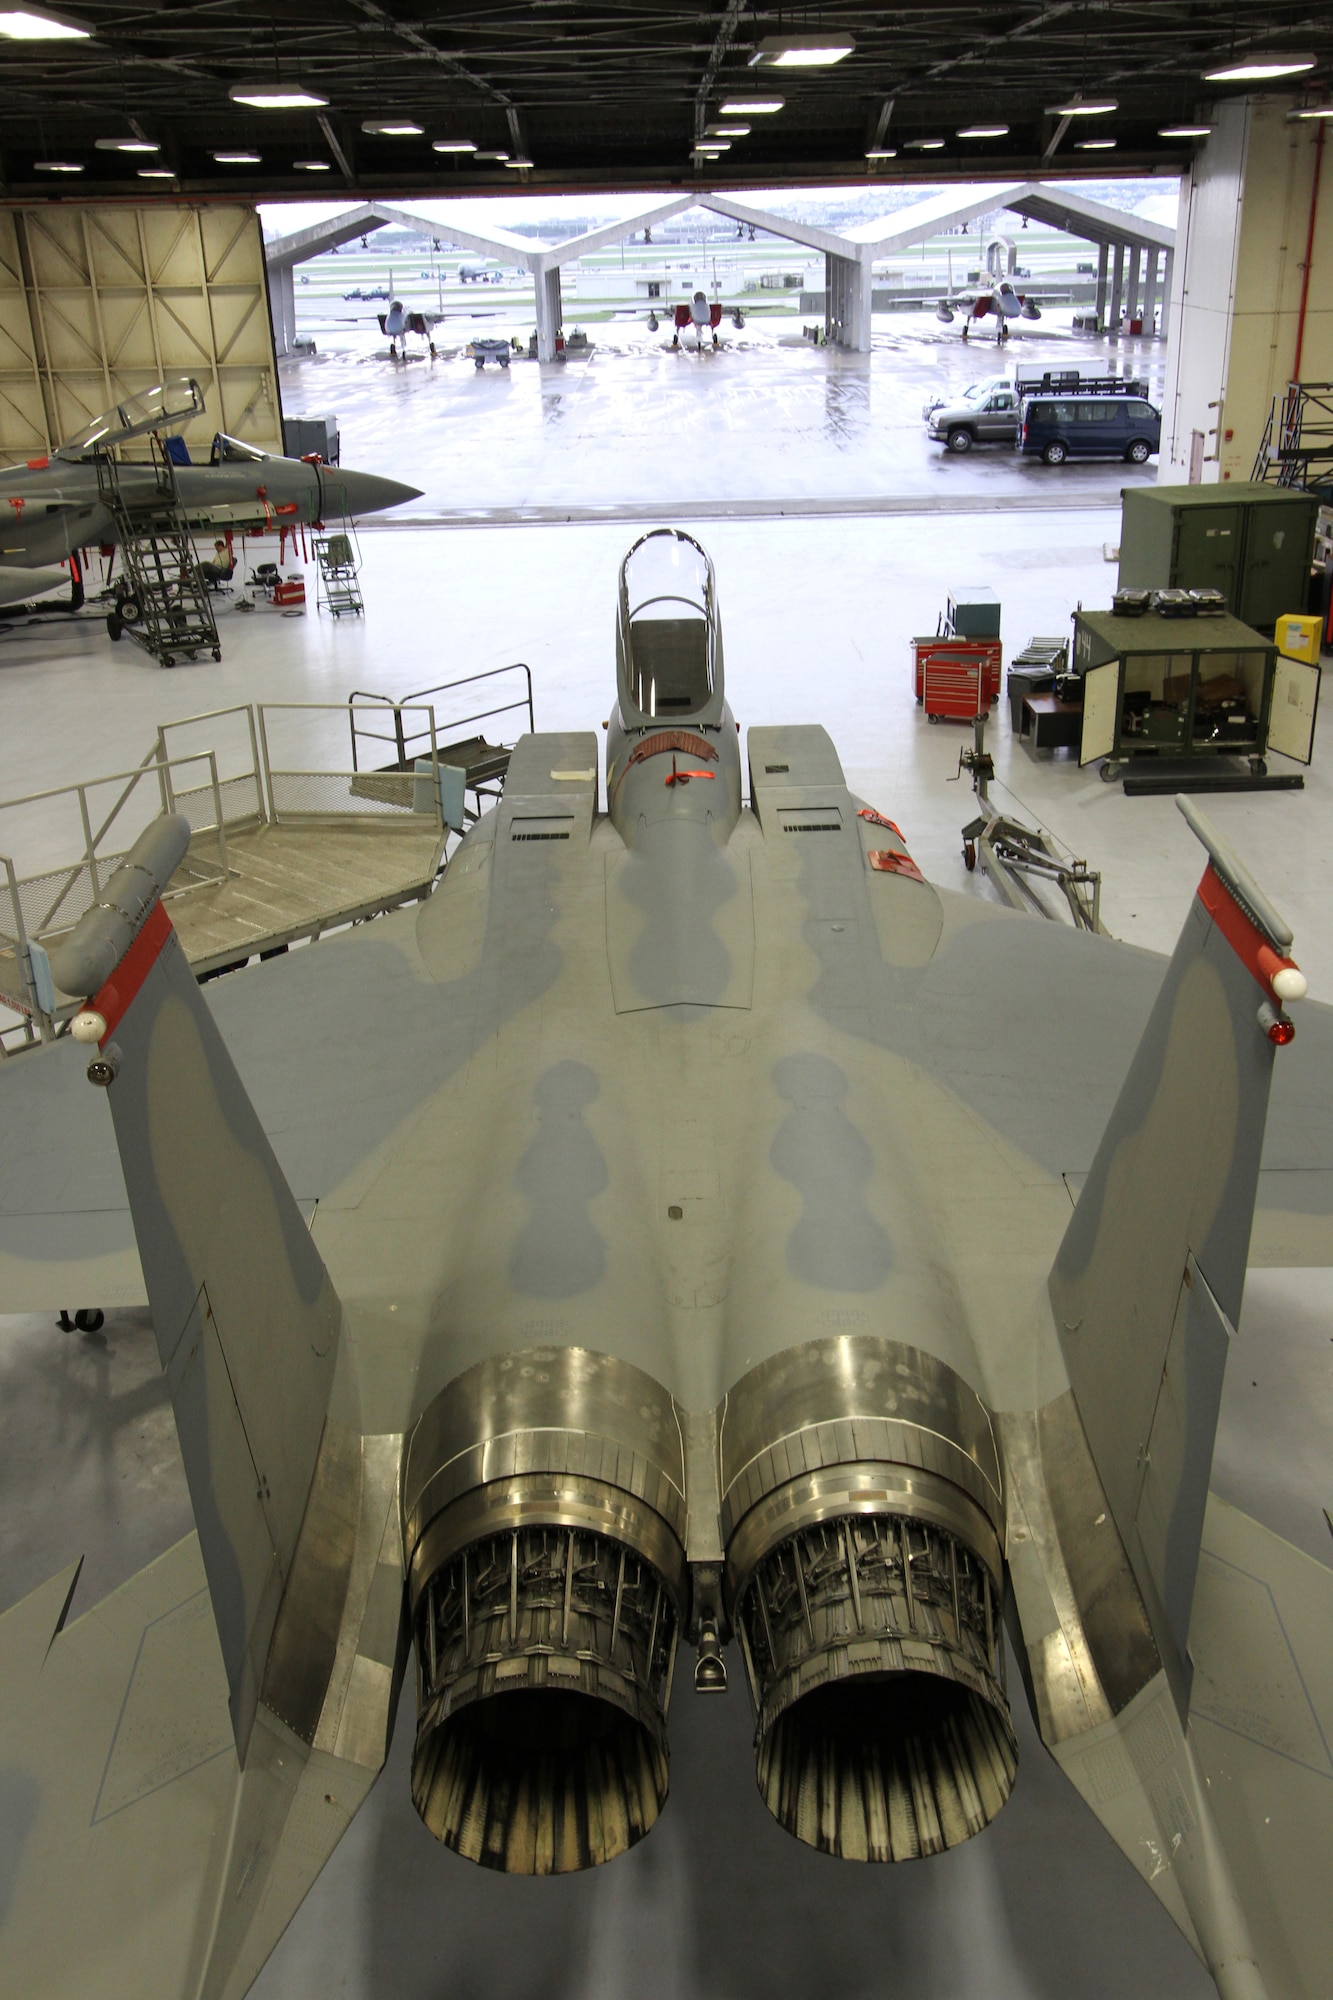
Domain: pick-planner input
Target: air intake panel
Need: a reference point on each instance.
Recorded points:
(544, 1517)
(863, 1523)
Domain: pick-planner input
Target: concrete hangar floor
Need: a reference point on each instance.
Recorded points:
(837, 533)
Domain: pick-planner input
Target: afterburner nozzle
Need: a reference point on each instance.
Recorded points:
(864, 1591)
(544, 1517)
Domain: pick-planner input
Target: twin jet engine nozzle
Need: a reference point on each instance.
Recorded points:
(855, 1489)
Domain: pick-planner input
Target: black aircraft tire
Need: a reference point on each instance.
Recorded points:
(89, 1319)
(959, 440)
(1055, 452)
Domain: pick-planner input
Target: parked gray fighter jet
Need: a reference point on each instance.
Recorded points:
(702, 1269)
(50, 511)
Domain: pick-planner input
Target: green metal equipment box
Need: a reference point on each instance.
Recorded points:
(1172, 687)
(1254, 543)
(974, 612)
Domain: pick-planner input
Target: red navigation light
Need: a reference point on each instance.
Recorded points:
(1281, 1031)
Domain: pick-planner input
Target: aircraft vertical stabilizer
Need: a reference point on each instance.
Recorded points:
(246, 1318)
(1148, 1281)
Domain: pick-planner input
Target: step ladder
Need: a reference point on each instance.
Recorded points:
(339, 589)
(162, 599)
(1297, 445)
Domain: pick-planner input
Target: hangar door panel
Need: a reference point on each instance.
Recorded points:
(98, 303)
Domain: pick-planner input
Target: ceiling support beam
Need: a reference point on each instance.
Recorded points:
(717, 55)
(335, 147)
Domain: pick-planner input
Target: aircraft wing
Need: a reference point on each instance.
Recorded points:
(121, 1776)
(1031, 1024)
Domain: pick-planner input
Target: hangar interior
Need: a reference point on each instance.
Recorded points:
(838, 535)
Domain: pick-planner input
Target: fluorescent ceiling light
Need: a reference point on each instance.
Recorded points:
(983, 131)
(1093, 145)
(730, 131)
(1187, 131)
(127, 145)
(1083, 107)
(521, 163)
(754, 107)
(808, 51)
(1259, 68)
(392, 128)
(454, 146)
(237, 159)
(1311, 111)
(492, 156)
(20, 24)
(276, 96)
(925, 145)
(156, 174)
(58, 166)
(311, 166)
(882, 153)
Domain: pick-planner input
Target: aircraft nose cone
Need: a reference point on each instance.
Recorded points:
(370, 492)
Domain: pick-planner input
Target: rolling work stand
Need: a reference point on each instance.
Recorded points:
(162, 601)
(339, 588)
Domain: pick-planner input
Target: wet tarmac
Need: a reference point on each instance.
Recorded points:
(765, 424)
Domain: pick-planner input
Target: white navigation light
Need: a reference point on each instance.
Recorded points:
(808, 51)
(88, 1026)
(277, 96)
(1290, 983)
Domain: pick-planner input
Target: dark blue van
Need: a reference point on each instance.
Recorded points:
(1061, 427)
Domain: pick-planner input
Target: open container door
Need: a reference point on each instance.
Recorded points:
(1295, 704)
(1101, 712)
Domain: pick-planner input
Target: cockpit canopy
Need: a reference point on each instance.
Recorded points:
(152, 409)
(669, 638)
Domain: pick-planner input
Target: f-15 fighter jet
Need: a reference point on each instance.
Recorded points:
(706, 1280)
(50, 509)
(1001, 300)
(398, 322)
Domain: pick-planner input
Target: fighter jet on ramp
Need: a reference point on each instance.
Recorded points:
(699, 1278)
(1001, 300)
(51, 509)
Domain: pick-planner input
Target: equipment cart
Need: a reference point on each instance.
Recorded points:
(1197, 690)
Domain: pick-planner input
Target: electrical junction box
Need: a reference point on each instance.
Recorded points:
(1297, 635)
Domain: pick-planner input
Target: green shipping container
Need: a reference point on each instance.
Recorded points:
(1252, 542)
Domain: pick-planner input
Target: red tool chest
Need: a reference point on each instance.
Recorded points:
(956, 677)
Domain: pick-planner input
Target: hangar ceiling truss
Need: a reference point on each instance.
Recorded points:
(615, 93)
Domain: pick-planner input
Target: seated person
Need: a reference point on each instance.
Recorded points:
(222, 568)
